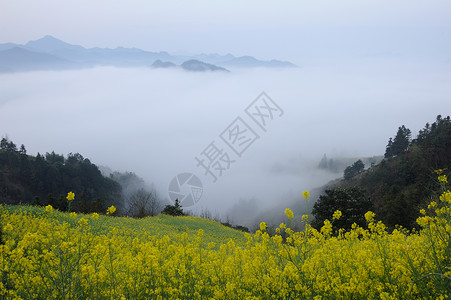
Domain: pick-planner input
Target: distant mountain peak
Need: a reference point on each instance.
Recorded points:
(198, 66)
(162, 64)
(75, 55)
(46, 39)
(250, 62)
(51, 44)
(50, 37)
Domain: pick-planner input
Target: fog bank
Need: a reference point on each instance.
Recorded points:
(155, 122)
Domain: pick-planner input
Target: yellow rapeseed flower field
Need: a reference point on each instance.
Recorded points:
(47, 254)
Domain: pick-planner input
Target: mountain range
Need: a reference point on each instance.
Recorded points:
(50, 53)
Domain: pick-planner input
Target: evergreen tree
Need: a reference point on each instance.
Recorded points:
(388, 149)
(353, 170)
(22, 150)
(173, 210)
(323, 163)
(352, 203)
(4, 143)
(401, 141)
(399, 144)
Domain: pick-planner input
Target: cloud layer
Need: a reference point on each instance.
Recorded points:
(155, 122)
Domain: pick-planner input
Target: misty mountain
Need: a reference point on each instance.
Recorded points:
(163, 64)
(252, 62)
(62, 55)
(20, 59)
(229, 60)
(119, 56)
(191, 65)
(199, 66)
(8, 46)
(213, 58)
(49, 44)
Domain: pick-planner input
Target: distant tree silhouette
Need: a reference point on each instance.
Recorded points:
(173, 210)
(399, 144)
(353, 170)
(143, 203)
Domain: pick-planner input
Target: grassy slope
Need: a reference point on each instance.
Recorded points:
(149, 227)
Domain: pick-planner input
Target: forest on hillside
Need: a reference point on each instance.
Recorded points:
(399, 186)
(46, 179)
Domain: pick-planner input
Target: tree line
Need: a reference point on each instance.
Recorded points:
(396, 188)
(46, 179)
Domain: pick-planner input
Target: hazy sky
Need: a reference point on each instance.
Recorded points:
(289, 30)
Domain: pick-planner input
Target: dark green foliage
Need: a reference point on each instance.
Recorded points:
(352, 202)
(389, 148)
(394, 207)
(47, 179)
(353, 170)
(237, 227)
(435, 141)
(173, 210)
(399, 144)
(7, 145)
(22, 150)
(401, 185)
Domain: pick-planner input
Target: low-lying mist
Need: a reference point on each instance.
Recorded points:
(154, 122)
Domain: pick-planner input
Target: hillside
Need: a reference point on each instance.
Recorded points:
(145, 228)
(45, 179)
(400, 185)
(49, 254)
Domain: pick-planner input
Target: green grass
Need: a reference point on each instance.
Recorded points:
(148, 227)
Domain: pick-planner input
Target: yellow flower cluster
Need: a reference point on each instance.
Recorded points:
(442, 178)
(70, 196)
(51, 255)
(289, 213)
(111, 210)
(337, 215)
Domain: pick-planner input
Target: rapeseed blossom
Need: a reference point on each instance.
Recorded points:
(289, 213)
(70, 196)
(337, 214)
(306, 195)
(111, 210)
(50, 255)
(48, 208)
(369, 216)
